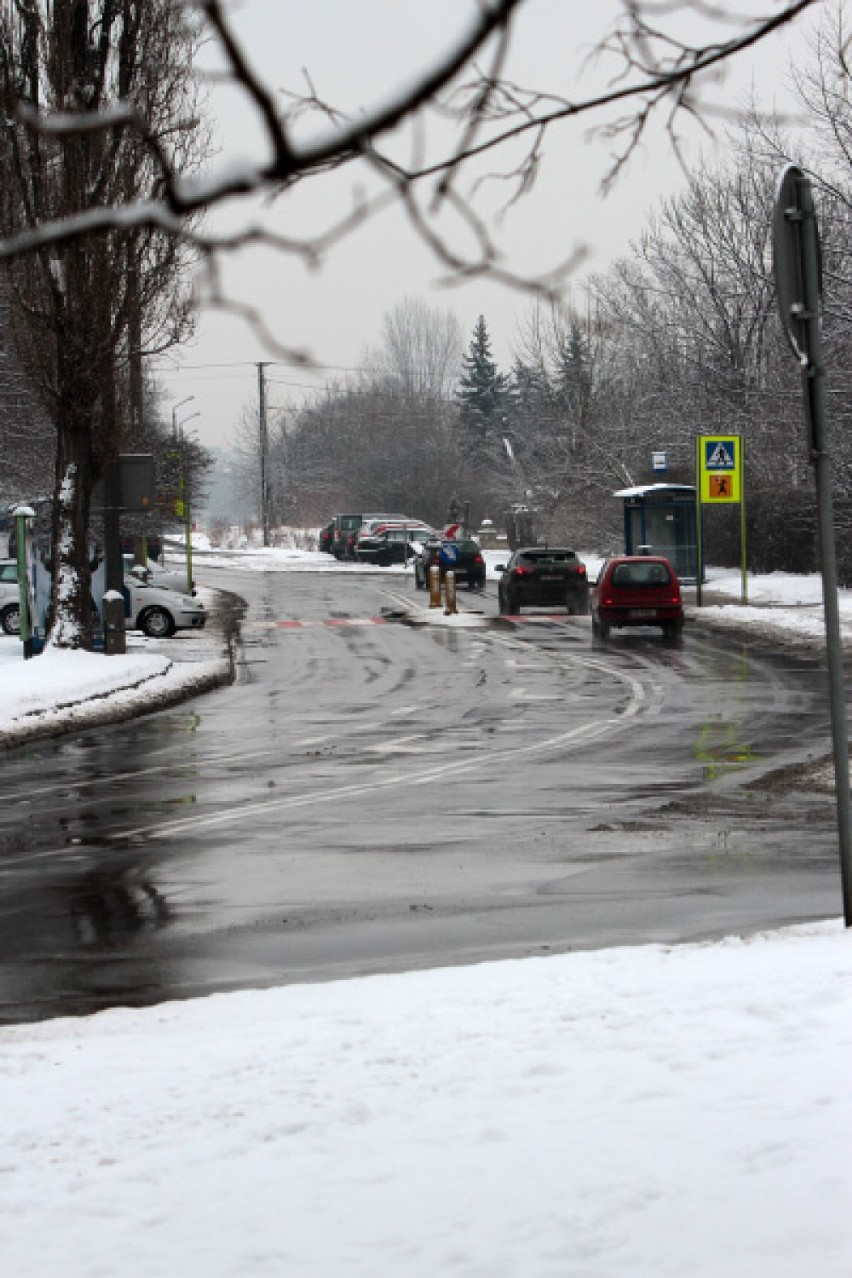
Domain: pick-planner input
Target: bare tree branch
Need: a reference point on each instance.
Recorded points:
(655, 68)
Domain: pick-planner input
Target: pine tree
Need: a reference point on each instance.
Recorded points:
(483, 392)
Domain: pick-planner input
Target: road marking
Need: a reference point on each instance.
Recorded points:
(521, 694)
(397, 744)
(454, 768)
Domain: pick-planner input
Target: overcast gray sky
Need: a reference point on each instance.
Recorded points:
(356, 54)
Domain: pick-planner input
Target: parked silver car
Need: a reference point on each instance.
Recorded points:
(10, 617)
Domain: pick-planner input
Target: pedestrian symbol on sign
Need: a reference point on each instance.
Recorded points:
(719, 455)
(720, 486)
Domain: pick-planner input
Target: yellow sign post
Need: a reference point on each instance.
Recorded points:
(719, 473)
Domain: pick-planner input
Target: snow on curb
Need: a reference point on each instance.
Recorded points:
(63, 690)
(785, 626)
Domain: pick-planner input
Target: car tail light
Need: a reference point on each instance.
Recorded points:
(477, 559)
(581, 570)
(522, 572)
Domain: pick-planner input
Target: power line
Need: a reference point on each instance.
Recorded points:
(276, 363)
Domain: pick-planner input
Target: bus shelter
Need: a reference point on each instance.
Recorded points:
(659, 519)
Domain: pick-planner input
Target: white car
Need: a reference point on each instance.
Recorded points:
(10, 620)
(159, 612)
(155, 610)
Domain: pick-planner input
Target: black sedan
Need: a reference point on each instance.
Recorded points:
(393, 546)
(543, 577)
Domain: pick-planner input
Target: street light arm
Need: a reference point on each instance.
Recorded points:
(178, 405)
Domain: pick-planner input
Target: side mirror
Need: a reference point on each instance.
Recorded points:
(499, 567)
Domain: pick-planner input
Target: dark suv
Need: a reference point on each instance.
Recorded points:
(463, 557)
(544, 577)
(391, 546)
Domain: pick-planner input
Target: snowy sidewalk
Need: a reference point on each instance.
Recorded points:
(651, 1112)
(60, 690)
(784, 608)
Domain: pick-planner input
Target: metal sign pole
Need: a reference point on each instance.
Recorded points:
(815, 397)
(743, 554)
(797, 275)
(699, 540)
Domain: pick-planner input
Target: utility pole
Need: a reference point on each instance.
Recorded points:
(261, 413)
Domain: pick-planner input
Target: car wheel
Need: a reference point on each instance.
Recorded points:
(10, 619)
(418, 580)
(583, 606)
(157, 623)
(672, 632)
(513, 608)
(600, 629)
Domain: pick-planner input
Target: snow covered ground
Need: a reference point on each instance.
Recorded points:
(60, 689)
(648, 1111)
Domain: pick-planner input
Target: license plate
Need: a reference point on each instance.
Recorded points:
(643, 612)
(551, 577)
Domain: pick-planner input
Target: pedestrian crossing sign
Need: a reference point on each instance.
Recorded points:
(720, 468)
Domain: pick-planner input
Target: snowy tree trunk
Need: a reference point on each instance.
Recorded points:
(72, 618)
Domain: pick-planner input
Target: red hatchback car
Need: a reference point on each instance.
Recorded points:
(637, 590)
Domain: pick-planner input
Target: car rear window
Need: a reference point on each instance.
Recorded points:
(650, 574)
(350, 521)
(548, 557)
(8, 572)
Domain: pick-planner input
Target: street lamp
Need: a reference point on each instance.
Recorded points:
(180, 425)
(178, 405)
(184, 489)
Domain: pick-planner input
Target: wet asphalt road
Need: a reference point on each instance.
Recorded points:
(378, 796)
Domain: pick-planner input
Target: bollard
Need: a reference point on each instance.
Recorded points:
(115, 643)
(450, 592)
(434, 586)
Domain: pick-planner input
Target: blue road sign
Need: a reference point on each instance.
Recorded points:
(720, 454)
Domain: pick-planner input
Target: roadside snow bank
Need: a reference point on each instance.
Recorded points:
(59, 679)
(677, 1112)
(61, 690)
